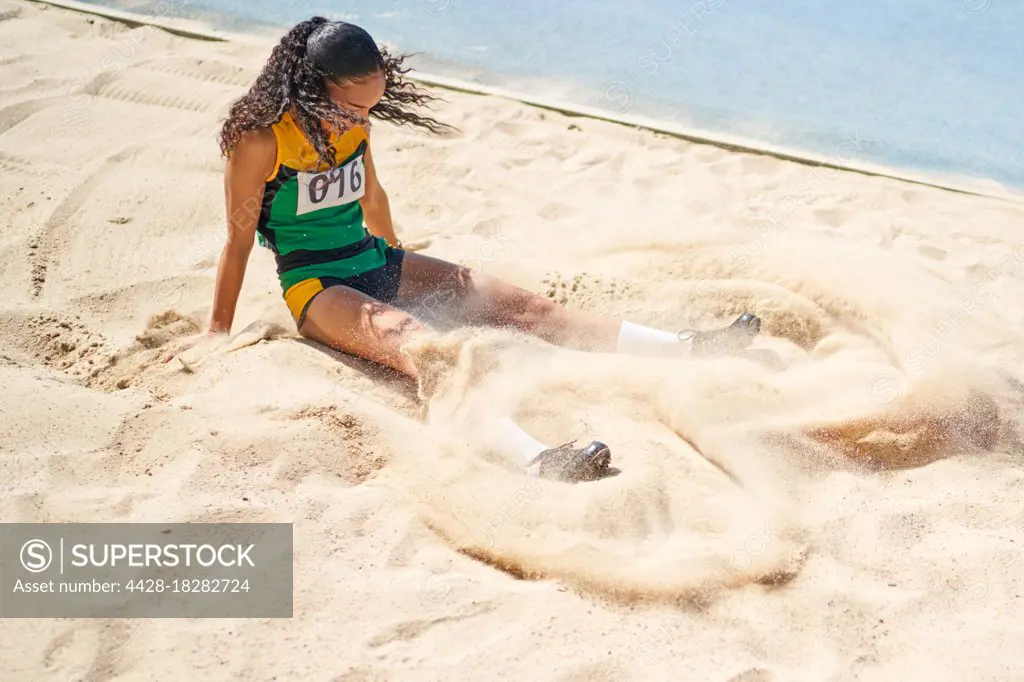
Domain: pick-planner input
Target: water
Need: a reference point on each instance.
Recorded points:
(924, 85)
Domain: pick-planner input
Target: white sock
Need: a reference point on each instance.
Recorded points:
(636, 339)
(513, 440)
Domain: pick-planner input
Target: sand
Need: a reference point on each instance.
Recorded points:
(854, 514)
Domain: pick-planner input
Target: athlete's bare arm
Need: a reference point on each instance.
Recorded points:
(244, 178)
(376, 209)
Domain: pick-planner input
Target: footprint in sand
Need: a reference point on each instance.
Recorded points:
(723, 166)
(517, 129)
(759, 165)
(933, 252)
(14, 114)
(833, 217)
(913, 197)
(488, 227)
(753, 675)
(710, 155)
(555, 211)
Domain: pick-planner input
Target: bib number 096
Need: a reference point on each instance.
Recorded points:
(334, 187)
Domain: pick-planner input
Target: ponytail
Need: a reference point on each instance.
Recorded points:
(293, 81)
(289, 81)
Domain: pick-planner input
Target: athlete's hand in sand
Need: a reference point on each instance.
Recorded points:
(191, 350)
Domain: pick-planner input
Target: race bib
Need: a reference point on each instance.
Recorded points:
(334, 187)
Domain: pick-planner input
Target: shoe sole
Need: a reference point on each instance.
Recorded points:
(600, 460)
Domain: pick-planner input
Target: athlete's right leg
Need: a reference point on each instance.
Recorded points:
(481, 299)
(355, 323)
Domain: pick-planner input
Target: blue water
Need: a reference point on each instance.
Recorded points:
(925, 85)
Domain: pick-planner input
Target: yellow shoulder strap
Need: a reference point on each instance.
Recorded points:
(295, 151)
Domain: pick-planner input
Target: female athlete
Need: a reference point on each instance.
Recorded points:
(300, 177)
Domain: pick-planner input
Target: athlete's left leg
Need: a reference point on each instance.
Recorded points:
(480, 299)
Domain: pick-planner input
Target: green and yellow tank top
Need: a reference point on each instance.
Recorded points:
(311, 218)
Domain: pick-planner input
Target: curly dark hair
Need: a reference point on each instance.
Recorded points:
(295, 79)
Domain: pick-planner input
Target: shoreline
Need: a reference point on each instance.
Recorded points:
(198, 31)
